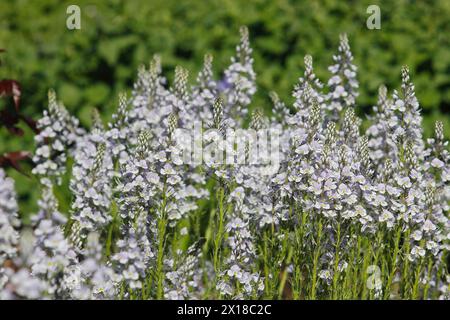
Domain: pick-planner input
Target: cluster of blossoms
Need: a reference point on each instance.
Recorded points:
(56, 139)
(9, 222)
(184, 275)
(335, 202)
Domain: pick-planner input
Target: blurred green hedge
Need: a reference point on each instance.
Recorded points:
(88, 67)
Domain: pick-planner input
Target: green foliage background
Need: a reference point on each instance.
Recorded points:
(88, 67)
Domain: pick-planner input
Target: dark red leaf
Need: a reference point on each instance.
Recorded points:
(16, 131)
(13, 159)
(10, 119)
(11, 88)
(30, 123)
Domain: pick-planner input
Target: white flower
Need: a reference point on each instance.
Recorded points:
(184, 231)
(344, 190)
(399, 105)
(388, 217)
(417, 251)
(235, 271)
(437, 163)
(238, 194)
(360, 211)
(325, 274)
(316, 187)
(428, 226)
(417, 235)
